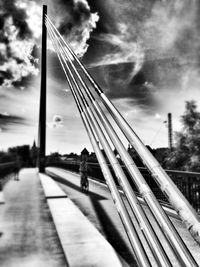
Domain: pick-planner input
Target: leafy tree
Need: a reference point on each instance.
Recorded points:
(23, 152)
(55, 156)
(186, 154)
(5, 157)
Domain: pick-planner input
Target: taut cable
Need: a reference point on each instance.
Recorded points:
(184, 209)
(177, 243)
(116, 196)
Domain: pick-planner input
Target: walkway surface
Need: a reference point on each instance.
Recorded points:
(82, 243)
(41, 226)
(28, 236)
(27, 233)
(98, 207)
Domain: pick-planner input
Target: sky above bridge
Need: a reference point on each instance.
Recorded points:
(145, 54)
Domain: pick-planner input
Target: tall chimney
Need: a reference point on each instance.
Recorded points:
(170, 136)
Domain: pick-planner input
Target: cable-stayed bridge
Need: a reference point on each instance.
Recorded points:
(138, 223)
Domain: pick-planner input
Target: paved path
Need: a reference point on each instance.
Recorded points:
(99, 209)
(27, 234)
(82, 243)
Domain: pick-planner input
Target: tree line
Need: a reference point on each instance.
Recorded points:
(186, 153)
(184, 156)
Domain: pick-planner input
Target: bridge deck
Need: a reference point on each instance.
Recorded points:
(82, 244)
(28, 236)
(34, 235)
(99, 209)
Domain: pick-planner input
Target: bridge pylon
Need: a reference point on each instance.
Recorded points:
(42, 111)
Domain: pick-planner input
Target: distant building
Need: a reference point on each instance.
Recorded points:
(34, 154)
(72, 157)
(63, 158)
(84, 154)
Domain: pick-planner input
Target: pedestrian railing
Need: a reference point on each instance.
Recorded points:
(187, 182)
(6, 168)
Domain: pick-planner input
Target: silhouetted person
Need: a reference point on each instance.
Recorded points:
(83, 170)
(18, 165)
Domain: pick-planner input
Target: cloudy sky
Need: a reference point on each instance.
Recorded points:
(145, 54)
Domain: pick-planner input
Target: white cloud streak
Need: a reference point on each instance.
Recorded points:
(124, 49)
(159, 30)
(57, 122)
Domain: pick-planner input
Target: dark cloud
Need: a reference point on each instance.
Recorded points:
(7, 120)
(75, 21)
(150, 47)
(5, 75)
(137, 89)
(16, 43)
(20, 32)
(19, 17)
(80, 12)
(106, 21)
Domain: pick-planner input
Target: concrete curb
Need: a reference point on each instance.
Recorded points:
(82, 244)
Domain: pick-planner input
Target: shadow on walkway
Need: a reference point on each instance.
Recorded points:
(72, 185)
(113, 235)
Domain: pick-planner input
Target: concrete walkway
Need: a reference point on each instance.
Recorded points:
(82, 244)
(41, 226)
(98, 207)
(32, 235)
(27, 232)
